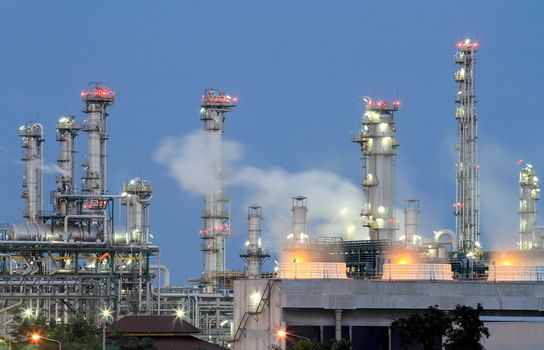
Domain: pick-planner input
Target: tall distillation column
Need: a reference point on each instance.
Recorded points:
(32, 139)
(96, 99)
(254, 255)
(67, 130)
(379, 149)
(216, 226)
(529, 194)
(467, 203)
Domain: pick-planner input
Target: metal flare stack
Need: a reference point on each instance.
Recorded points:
(215, 215)
(467, 203)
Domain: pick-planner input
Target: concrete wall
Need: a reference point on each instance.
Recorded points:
(515, 335)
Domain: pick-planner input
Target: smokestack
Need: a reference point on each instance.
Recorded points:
(67, 129)
(379, 150)
(32, 139)
(529, 194)
(254, 255)
(411, 221)
(137, 197)
(300, 221)
(96, 99)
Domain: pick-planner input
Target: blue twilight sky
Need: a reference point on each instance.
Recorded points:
(299, 68)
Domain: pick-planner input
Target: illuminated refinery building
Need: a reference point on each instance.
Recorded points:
(378, 148)
(467, 203)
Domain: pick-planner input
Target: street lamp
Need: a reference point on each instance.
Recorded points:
(106, 314)
(36, 337)
(282, 334)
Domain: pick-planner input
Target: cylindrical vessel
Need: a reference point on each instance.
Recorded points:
(42, 232)
(254, 250)
(32, 139)
(300, 220)
(411, 221)
(137, 197)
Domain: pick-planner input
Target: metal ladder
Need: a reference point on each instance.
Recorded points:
(265, 299)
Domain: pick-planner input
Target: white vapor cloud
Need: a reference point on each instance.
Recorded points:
(333, 201)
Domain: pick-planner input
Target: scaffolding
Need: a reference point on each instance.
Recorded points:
(467, 203)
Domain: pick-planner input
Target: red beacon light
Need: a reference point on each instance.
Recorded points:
(213, 98)
(98, 93)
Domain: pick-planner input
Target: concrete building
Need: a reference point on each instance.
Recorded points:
(363, 310)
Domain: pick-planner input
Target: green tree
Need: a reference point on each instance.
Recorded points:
(342, 344)
(422, 328)
(466, 329)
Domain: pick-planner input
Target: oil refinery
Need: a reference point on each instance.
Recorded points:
(84, 257)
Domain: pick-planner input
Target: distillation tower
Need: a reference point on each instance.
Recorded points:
(32, 139)
(529, 194)
(254, 254)
(467, 203)
(379, 149)
(215, 215)
(73, 259)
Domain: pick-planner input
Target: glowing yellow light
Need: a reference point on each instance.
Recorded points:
(180, 313)
(281, 333)
(36, 337)
(27, 313)
(106, 313)
(506, 263)
(402, 261)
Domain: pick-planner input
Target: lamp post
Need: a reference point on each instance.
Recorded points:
(282, 334)
(106, 314)
(36, 337)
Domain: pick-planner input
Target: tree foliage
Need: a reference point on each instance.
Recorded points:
(467, 329)
(77, 334)
(461, 328)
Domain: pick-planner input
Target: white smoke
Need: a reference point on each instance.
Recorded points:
(333, 201)
(190, 159)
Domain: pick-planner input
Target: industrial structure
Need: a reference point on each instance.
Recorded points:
(467, 203)
(79, 258)
(74, 259)
(216, 213)
(529, 194)
(378, 148)
(254, 255)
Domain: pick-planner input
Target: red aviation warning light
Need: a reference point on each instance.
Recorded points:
(213, 98)
(467, 45)
(98, 93)
(383, 105)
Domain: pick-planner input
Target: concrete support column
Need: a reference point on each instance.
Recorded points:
(338, 324)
